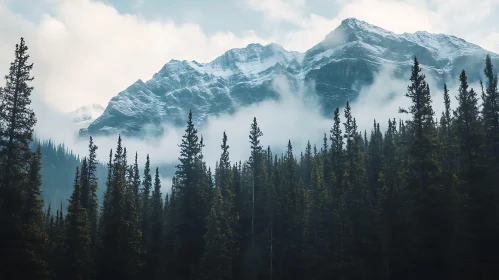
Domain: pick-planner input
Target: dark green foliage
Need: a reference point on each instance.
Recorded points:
(153, 248)
(77, 246)
(191, 206)
(120, 238)
(58, 165)
(145, 214)
(22, 237)
(217, 258)
(423, 182)
(417, 202)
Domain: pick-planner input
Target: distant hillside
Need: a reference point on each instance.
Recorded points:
(58, 169)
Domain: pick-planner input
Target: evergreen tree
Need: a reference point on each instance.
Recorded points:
(33, 233)
(256, 149)
(145, 219)
(230, 218)
(157, 223)
(191, 206)
(93, 185)
(77, 237)
(429, 231)
(336, 154)
(120, 255)
(136, 184)
(484, 196)
(216, 262)
(17, 120)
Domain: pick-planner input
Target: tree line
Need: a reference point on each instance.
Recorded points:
(417, 201)
(58, 164)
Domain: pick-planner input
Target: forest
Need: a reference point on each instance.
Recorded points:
(417, 201)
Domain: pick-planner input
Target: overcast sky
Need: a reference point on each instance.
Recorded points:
(87, 51)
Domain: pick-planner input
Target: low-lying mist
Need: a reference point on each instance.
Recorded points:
(296, 117)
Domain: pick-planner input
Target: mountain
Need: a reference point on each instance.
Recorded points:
(346, 60)
(85, 115)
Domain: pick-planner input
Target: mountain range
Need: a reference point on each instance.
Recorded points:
(338, 67)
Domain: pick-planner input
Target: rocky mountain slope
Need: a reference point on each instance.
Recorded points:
(347, 59)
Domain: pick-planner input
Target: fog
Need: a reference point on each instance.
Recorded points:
(296, 117)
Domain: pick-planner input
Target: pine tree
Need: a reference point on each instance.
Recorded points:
(429, 231)
(84, 185)
(17, 120)
(33, 233)
(21, 216)
(120, 255)
(132, 235)
(157, 224)
(145, 217)
(191, 206)
(216, 263)
(256, 149)
(48, 217)
(484, 196)
(230, 215)
(136, 184)
(490, 113)
(77, 237)
(355, 197)
(93, 185)
(336, 154)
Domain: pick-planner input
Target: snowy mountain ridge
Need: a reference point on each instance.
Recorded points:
(347, 59)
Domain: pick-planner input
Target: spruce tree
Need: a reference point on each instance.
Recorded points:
(484, 196)
(77, 255)
(216, 262)
(33, 234)
(336, 154)
(191, 206)
(157, 224)
(230, 216)
(121, 252)
(429, 232)
(256, 149)
(145, 217)
(136, 184)
(21, 214)
(93, 185)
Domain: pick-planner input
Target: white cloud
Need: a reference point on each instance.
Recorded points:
(472, 20)
(88, 52)
(276, 10)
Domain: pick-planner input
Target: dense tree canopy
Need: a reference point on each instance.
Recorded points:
(417, 201)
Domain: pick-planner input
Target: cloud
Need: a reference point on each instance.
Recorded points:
(277, 10)
(472, 20)
(80, 61)
(279, 121)
(87, 52)
(295, 117)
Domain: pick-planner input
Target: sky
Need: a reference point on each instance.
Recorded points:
(87, 51)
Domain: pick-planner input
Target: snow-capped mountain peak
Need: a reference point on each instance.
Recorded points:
(347, 59)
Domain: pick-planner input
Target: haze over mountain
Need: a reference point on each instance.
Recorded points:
(85, 115)
(336, 68)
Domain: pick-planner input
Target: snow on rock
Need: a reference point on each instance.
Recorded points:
(347, 58)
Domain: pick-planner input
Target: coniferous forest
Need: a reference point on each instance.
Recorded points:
(417, 201)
